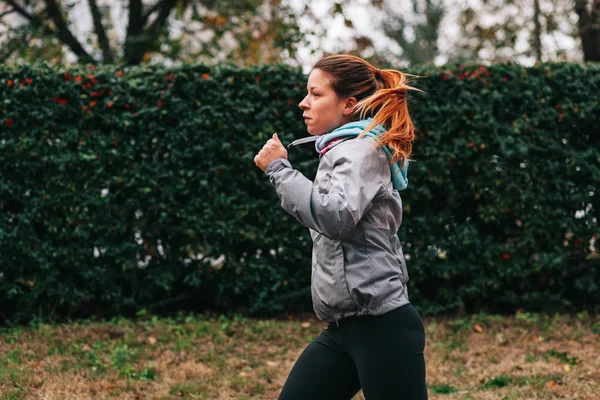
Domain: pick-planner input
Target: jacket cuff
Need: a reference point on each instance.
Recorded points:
(277, 165)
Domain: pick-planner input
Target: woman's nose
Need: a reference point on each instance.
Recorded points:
(303, 104)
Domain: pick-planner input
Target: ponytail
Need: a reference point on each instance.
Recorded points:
(390, 109)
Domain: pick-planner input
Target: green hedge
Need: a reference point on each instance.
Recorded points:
(133, 189)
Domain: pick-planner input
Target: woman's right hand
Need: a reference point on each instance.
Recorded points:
(272, 150)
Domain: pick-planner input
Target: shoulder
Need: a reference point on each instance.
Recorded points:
(358, 149)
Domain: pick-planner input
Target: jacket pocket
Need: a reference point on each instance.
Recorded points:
(329, 280)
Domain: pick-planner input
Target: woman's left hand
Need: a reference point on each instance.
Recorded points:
(272, 150)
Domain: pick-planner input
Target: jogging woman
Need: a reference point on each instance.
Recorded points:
(358, 119)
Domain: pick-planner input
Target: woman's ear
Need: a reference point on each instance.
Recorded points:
(349, 106)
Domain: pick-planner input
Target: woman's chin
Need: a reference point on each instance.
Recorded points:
(314, 132)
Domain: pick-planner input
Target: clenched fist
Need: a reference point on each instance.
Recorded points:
(272, 150)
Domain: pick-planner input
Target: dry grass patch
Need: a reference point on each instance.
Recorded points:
(525, 356)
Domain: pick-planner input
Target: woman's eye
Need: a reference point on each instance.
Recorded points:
(315, 94)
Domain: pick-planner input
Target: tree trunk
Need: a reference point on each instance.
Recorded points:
(107, 55)
(134, 42)
(537, 32)
(589, 29)
(141, 38)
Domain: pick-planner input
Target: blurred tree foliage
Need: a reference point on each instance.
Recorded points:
(249, 32)
(474, 31)
(136, 31)
(491, 30)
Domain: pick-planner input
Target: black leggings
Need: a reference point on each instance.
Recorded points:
(382, 355)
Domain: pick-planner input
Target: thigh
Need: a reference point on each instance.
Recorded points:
(323, 371)
(389, 355)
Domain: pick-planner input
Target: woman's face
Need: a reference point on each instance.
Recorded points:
(323, 110)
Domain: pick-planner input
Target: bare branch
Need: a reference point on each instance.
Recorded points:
(7, 12)
(34, 20)
(64, 34)
(163, 15)
(151, 11)
(107, 54)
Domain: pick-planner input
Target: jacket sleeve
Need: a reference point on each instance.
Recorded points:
(355, 180)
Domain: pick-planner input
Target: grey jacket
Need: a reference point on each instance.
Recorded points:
(353, 214)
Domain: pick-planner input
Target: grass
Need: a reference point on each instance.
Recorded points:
(530, 356)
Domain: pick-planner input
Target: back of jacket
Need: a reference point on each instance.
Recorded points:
(353, 214)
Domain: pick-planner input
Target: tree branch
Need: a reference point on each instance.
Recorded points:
(34, 20)
(151, 11)
(7, 12)
(64, 34)
(161, 20)
(107, 54)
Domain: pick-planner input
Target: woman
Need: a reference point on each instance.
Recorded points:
(358, 117)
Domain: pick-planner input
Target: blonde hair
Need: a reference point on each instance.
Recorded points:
(381, 94)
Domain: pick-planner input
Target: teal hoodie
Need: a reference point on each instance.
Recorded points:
(353, 129)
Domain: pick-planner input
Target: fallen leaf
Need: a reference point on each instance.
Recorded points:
(567, 368)
(272, 363)
(152, 340)
(478, 328)
(85, 347)
(305, 324)
(551, 384)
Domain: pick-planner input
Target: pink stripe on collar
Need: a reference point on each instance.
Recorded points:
(326, 149)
